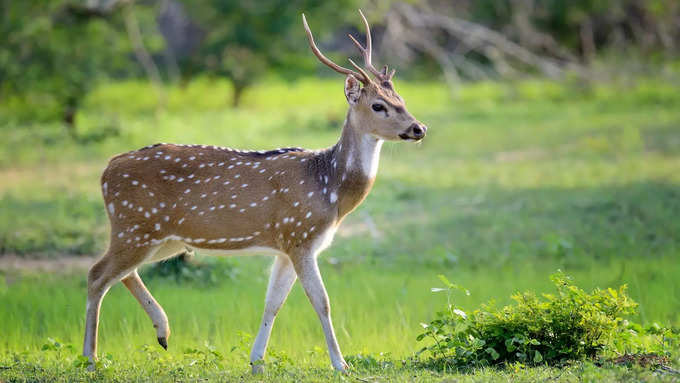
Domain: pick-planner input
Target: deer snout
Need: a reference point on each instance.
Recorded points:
(414, 132)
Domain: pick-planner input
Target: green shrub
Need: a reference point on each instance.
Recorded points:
(186, 269)
(569, 325)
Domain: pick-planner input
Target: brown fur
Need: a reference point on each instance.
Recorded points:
(164, 197)
(219, 198)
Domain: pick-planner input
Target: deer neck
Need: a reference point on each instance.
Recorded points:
(353, 164)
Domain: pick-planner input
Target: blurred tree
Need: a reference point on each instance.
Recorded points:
(53, 51)
(244, 39)
(476, 39)
(58, 50)
(584, 26)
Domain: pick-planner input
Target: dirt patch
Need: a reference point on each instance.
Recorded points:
(63, 264)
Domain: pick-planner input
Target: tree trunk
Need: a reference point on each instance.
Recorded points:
(587, 36)
(237, 94)
(142, 54)
(69, 116)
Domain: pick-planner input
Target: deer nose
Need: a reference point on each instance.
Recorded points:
(418, 130)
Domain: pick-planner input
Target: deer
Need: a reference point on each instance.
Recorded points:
(165, 199)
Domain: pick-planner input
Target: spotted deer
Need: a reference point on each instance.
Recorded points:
(164, 199)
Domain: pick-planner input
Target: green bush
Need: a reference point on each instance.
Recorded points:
(553, 329)
(185, 269)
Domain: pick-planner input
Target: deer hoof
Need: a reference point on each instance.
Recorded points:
(163, 341)
(342, 367)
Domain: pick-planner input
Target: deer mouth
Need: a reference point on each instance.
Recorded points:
(406, 137)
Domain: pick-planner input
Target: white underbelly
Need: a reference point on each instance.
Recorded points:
(172, 247)
(253, 250)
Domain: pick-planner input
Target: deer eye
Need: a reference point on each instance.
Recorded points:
(378, 107)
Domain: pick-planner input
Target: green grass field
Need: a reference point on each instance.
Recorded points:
(514, 181)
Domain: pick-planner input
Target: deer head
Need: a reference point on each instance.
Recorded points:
(374, 108)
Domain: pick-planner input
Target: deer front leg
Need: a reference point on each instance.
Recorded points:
(280, 282)
(308, 271)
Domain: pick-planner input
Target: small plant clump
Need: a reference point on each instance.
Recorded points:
(553, 329)
(185, 269)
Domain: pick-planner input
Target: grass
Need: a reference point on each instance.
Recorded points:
(514, 181)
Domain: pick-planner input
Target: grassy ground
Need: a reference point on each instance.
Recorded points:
(513, 182)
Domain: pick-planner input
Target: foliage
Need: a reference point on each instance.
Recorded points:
(183, 269)
(557, 328)
(515, 181)
(56, 360)
(51, 57)
(244, 40)
(49, 226)
(583, 27)
(54, 52)
(497, 156)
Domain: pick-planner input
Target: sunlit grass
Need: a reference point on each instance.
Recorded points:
(514, 181)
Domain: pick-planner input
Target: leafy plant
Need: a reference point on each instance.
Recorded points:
(208, 357)
(185, 269)
(553, 329)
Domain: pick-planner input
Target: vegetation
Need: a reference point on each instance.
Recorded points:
(184, 269)
(243, 42)
(569, 326)
(43, 74)
(515, 181)
(46, 76)
(378, 321)
(519, 177)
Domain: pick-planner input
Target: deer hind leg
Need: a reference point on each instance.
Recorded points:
(154, 310)
(308, 271)
(280, 282)
(113, 266)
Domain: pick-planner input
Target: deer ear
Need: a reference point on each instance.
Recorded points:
(352, 89)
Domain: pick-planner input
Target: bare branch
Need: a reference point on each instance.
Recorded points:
(141, 53)
(488, 42)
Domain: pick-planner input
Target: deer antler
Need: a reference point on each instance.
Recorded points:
(366, 53)
(361, 75)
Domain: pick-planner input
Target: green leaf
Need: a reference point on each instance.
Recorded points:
(81, 361)
(510, 344)
(494, 355)
(538, 358)
(445, 281)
